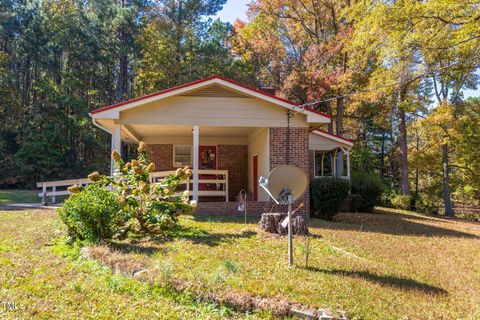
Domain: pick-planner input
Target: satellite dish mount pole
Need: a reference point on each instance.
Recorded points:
(284, 185)
(287, 198)
(290, 236)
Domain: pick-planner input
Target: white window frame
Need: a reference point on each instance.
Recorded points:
(174, 154)
(315, 164)
(345, 172)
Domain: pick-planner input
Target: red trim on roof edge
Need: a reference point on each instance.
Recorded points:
(334, 135)
(205, 80)
(151, 95)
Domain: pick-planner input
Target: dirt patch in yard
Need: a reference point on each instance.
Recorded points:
(134, 266)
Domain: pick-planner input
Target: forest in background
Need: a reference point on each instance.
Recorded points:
(392, 74)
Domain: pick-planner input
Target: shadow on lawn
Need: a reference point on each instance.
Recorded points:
(391, 223)
(201, 236)
(195, 235)
(386, 280)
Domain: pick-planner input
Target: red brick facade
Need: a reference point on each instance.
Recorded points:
(311, 160)
(162, 156)
(297, 154)
(254, 208)
(234, 158)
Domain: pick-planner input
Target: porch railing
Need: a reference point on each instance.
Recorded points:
(212, 183)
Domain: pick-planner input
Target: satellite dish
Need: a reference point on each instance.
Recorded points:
(284, 185)
(287, 177)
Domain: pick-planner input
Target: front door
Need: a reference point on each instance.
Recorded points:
(207, 157)
(207, 161)
(255, 177)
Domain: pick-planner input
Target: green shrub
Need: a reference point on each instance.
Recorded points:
(386, 198)
(367, 190)
(469, 216)
(127, 204)
(92, 214)
(424, 205)
(328, 196)
(357, 203)
(400, 201)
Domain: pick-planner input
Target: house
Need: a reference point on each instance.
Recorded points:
(230, 134)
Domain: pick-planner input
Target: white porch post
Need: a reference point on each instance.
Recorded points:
(196, 144)
(334, 163)
(348, 164)
(116, 143)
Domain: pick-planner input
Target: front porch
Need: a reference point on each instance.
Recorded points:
(225, 160)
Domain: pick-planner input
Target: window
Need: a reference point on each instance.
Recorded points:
(182, 156)
(323, 163)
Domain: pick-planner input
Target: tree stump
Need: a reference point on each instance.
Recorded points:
(271, 223)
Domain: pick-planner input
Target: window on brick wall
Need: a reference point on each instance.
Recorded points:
(182, 155)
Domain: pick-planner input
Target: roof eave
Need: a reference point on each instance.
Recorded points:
(312, 115)
(335, 137)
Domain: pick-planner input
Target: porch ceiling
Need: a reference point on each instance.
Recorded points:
(144, 131)
(181, 134)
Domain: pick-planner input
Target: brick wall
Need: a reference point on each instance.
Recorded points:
(254, 208)
(298, 154)
(234, 158)
(161, 155)
(311, 169)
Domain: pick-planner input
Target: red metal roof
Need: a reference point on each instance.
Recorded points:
(113, 106)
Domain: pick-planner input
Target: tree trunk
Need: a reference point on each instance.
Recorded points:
(271, 223)
(417, 174)
(402, 144)
(329, 111)
(447, 197)
(382, 156)
(122, 84)
(339, 127)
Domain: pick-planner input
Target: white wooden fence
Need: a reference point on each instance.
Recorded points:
(212, 183)
(58, 188)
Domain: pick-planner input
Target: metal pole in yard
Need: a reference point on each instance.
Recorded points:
(290, 233)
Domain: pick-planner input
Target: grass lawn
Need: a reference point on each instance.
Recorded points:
(373, 266)
(47, 279)
(19, 196)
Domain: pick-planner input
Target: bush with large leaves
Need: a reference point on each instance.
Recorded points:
(328, 196)
(136, 206)
(93, 214)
